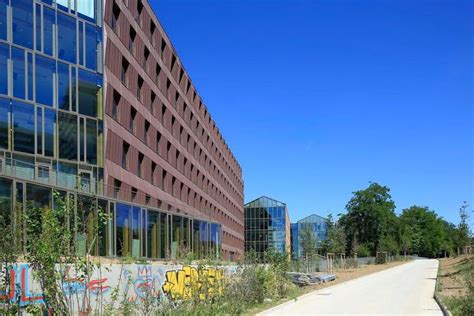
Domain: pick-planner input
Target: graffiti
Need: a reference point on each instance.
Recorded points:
(183, 283)
(148, 284)
(18, 288)
(136, 283)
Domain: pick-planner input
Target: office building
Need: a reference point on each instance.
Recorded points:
(316, 223)
(96, 104)
(267, 226)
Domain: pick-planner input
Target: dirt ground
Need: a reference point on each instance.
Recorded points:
(353, 273)
(450, 282)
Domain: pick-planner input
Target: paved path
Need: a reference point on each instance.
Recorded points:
(404, 289)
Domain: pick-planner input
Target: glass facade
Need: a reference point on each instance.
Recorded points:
(317, 224)
(266, 226)
(51, 86)
(51, 133)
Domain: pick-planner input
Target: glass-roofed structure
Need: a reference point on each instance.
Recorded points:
(318, 225)
(267, 226)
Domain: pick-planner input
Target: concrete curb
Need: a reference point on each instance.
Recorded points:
(438, 300)
(443, 307)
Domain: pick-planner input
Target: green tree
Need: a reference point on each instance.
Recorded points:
(428, 231)
(335, 241)
(308, 240)
(464, 234)
(370, 218)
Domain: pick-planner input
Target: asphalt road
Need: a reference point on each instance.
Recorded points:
(405, 289)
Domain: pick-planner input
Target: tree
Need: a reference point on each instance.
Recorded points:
(370, 218)
(308, 240)
(463, 227)
(428, 236)
(335, 241)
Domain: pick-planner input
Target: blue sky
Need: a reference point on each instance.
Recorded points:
(317, 98)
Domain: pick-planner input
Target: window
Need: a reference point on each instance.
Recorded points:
(91, 141)
(115, 18)
(147, 128)
(141, 157)
(152, 33)
(45, 69)
(125, 149)
(4, 131)
(86, 8)
(153, 171)
(4, 56)
(139, 88)
(67, 38)
(19, 80)
(163, 47)
(22, 17)
(3, 19)
(131, 40)
(39, 130)
(92, 36)
(123, 230)
(117, 185)
(133, 114)
(89, 88)
(123, 73)
(24, 127)
(158, 71)
(146, 54)
(115, 104)
(49, 128)
(49, 22)
(63, 86)
(67, 136)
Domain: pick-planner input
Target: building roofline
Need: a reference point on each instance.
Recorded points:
(265, 197)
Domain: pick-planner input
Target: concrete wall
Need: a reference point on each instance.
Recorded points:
(133, 282)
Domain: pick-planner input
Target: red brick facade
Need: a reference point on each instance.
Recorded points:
(162, 147)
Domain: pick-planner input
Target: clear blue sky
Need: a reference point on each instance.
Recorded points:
(317, 98)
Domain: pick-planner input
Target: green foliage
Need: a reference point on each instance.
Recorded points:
(335, 241)
(427, 234)
(308, 240)
(362, 250)
(370, 217)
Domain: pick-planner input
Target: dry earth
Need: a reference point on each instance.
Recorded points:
(450, 282)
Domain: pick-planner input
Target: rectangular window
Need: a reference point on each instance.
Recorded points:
(123, 230)
(3, 19)
(81, 43)
(67, 42)
(91, 46)
(22, 18)
(115, 104)
(4, 56)
(89, 87)
(49, 22)
(63, 86)
(4, 132)
(29, 65)
(24, 127)
(133, 114)
(38, 27)
(45, 69)
(19, 73)
(91, 140)
(39, 130)
(125, 148)
(49, 128)
(86, 8)
(67, 136)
